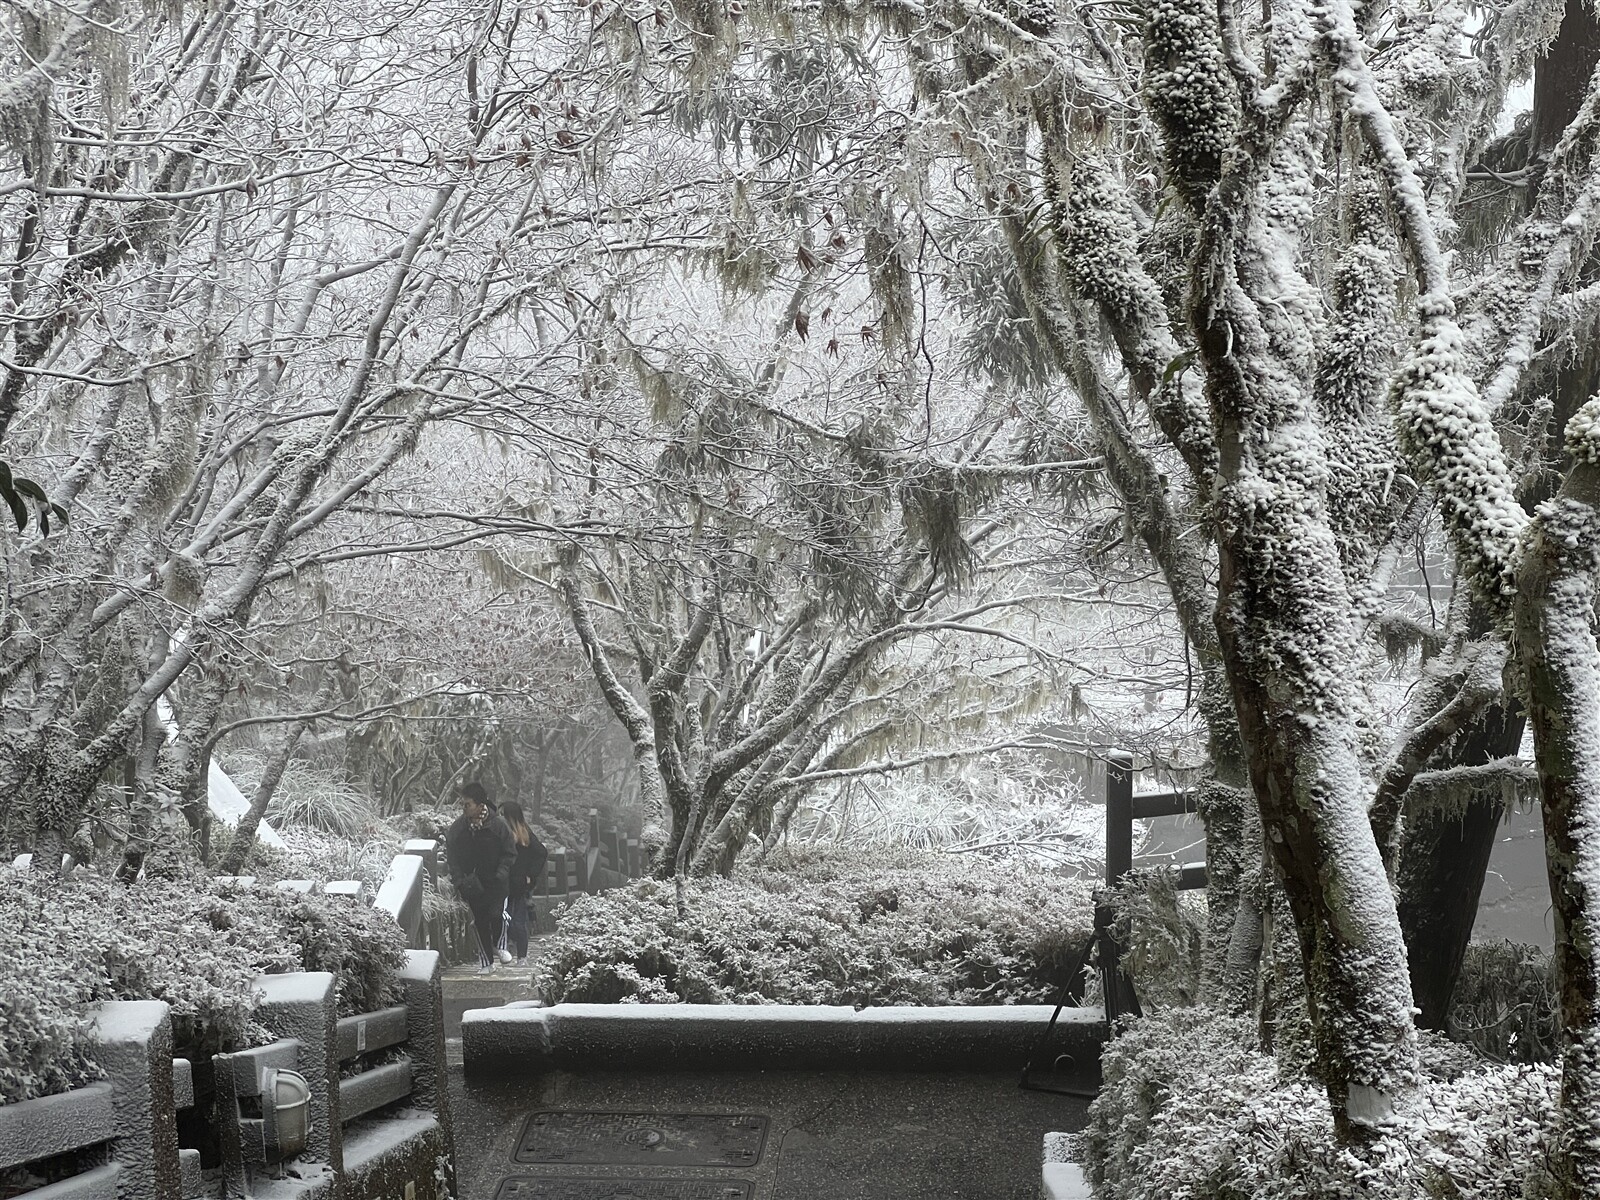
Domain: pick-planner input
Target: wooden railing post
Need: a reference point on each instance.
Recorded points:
(1117, 989)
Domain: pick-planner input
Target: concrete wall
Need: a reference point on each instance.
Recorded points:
(521, 1039)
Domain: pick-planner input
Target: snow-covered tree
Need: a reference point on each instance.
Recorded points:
(1316, 288)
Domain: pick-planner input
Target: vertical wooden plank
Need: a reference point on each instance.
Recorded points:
(1119, 815)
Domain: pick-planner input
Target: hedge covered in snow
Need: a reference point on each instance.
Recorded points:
(1189, 1111)
(196, 944)
(859, 928)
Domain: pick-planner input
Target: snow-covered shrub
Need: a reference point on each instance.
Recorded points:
(67, 943)
(312, 854)
(861, 929)
(1505, 1002)
(1161, 931)
(43, 1046)
(363, 947)
(1189, 1111)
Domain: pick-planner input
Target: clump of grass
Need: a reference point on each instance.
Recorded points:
(309, 797)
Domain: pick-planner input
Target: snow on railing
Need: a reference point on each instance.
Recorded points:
(374, 1112)
(352, 1109)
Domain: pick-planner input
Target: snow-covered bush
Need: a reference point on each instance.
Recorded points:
(363, 947)
(1505, 1002)
(884, 928)
(67, 943)
(1189, 1111)
(312, 854)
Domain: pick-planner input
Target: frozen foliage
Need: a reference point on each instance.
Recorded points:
(1583, 432)
(66, 944)
(1505, 1003)
(1161, 931)
(1189, 1112)
(857, 929)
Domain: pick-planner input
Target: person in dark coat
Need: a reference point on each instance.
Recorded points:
(481, 852)
(526, 872)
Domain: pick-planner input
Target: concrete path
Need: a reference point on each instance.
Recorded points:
(830, 1135)
(464, 988)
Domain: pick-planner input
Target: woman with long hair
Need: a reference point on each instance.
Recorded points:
(526, 871)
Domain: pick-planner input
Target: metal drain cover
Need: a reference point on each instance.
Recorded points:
(524, 1188)
(624, 1139)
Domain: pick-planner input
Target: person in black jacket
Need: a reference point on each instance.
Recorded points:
(526, 872)
(481, 851)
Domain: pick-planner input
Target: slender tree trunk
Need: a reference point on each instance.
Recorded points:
(634, 718)
(143, 801)
(1284, 624)
(244, 835)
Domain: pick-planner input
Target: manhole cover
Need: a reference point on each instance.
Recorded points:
(643, 1139)
(523, 1188)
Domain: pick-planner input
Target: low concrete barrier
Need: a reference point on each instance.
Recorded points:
(528, 1038)
(400, 895)
(1063, 1179)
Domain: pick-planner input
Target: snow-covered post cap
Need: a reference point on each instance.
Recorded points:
(133, 1044)
(1063, 1178)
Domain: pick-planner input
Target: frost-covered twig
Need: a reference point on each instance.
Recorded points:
(1565, 249)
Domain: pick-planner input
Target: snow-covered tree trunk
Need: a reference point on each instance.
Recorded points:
(1097, 257)
(1554, 633)
(1441, 863)
(1283, 616)
(633, 717)
(1284, 612)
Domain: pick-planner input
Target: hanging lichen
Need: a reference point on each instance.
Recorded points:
(890, 280)
(933, 499)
